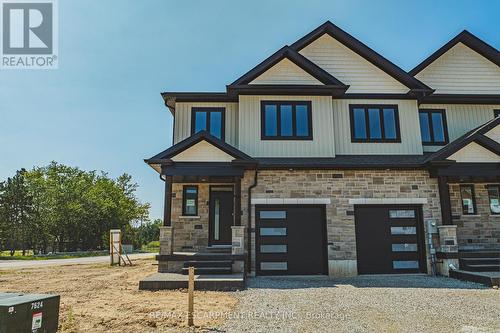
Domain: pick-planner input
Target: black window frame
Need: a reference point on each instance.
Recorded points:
(209, 110)
(380, 107)
(185, 197)
(473, 193)
(278, 136)
(429, 113)
(497, 186)
(496, 113)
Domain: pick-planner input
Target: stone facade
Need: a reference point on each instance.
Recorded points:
(480, 231)
(191, 233)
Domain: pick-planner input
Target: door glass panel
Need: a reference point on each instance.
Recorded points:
(273, 248)
(404, 247)
(404, 264)
(401, 214)
(217, 219)
(273, 214)
(274, 266)
(273, 231)
(403, 230)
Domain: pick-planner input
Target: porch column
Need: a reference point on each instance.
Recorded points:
(167, 208)
(444, 198)
(237, 202)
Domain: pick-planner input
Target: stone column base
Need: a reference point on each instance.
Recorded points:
(342, 268)
(238, 247)
(166, 240)
(447, 245)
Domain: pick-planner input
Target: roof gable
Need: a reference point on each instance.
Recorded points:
(468, 39)
(474, 153)
(288, 53)
(365, 52)
(285, 72)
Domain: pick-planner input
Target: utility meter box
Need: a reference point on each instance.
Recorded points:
(29, 313)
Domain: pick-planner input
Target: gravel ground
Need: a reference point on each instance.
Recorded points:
(365, 304)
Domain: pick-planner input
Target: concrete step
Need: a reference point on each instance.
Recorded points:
(208, 270)
(479, 261)
(479, 254)
(487, 278)
(161, 281)
(208, 263)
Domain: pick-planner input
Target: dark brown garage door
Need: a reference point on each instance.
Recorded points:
(291, 240)
(389, 239)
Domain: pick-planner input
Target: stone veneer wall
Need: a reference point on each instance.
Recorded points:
(480, 231)
(340, 186)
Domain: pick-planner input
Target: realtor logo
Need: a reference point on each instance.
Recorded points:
(29, 34)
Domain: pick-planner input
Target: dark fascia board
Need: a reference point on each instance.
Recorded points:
(488, 143)
(468, 39)
(475, 135)
(366, 52)
(286, 89)
(298, 59)
(461, 99)
(165, 155)
(170, 98)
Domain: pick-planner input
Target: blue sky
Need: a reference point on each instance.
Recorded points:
(102, 110)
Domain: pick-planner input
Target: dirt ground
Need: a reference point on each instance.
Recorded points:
(100, 298)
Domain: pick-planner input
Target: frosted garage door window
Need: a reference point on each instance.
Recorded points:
(403, 230)
(273, 231)
(405, 264)
(273, 248)
(273, 214)
(274, 266)
(401, 214)
(404, 247)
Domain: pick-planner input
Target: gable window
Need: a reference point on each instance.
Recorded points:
(208, 119)
(190, 200)
(468, 199)
(374, 123)
(494, 198)
(433, 127)
(496, 113)
(286, 120)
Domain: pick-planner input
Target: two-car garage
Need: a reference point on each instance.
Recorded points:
(292, 240)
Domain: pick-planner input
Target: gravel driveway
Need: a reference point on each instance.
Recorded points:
(410, 303)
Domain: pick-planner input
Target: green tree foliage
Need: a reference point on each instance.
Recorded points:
(64, 208)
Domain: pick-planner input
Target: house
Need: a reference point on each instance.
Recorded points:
(327, 158)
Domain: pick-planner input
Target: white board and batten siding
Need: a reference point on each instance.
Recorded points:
(494, 134)
(351, 68)
(411, 143)
(462, 70)
(286, 72)
(461, 118)
(182, 128)
(250, 142)
(202, 152)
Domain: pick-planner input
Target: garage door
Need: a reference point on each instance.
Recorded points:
(389, 239)
(290, 240)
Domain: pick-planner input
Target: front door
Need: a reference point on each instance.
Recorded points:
(221, 215)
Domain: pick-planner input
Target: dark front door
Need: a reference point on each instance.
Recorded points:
(389, 239)
(291, 240)
(221, 215)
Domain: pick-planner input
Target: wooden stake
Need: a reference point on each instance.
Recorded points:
(190, 296)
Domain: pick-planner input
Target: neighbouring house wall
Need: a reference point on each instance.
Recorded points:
(481, 231)
(350, 68)
(461, 118)
(411, 142)
(462, 71)
(182, 128)
(286, 72)
(340, 186)
(250, 142)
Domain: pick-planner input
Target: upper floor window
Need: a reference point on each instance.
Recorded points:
(208, 119)
(496, 113)
(286, 120)
(494, 198)
(433, 127)
(374, 123)
(468, 199)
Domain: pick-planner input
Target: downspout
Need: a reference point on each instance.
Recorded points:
(249, 216)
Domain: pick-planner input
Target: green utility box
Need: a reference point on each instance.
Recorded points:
(28, 313)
